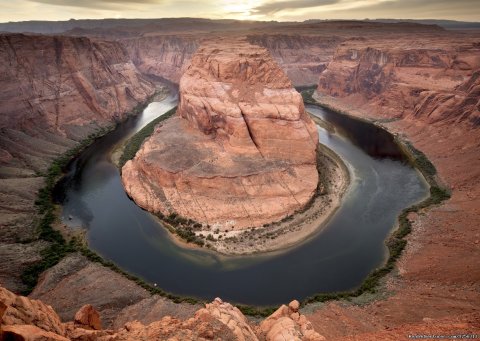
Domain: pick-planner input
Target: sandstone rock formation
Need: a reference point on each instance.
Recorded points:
(25, 319)
(66, 82)
(241, 151)
(286, 323)
(87, 317)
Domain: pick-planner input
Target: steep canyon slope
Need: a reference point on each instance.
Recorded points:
(241, 151)
(426, 91)
(398, 80)
(55, 92)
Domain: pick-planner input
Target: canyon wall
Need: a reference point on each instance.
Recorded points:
(55, 92)
(427, 83)
(61, 82)
(301, 56)
(164, 56)
(241, 151)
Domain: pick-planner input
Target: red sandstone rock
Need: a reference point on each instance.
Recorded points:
(241, 151)
(88, 317)
(29, 333)
(287, 324)
(23, 311)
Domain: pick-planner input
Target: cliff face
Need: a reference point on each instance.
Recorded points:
(62, 82)
(398, 81)
(302, 56)
(55, 92)
(26, 319)
(457, 106)
(162, 55)
(241, 151)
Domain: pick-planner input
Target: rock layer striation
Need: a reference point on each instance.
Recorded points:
(241, 151)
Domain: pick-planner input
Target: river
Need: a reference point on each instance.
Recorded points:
(338, 258)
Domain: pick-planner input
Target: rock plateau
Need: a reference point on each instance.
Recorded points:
(241, 151)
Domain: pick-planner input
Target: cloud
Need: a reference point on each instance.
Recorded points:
(277, 6)
(98, 4)
(421, 9)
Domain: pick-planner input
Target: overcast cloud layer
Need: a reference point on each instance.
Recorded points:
(19, 10)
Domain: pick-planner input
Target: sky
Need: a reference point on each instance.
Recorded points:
(280, 10)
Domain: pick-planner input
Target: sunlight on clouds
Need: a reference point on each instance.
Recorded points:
(239, 9)
(295, 9)
(281, 10)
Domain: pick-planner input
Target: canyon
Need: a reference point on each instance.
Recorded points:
(420, 82)
(241, 151)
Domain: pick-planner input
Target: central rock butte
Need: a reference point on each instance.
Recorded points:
(241, 151)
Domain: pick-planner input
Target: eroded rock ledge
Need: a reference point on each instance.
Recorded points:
(241, 151)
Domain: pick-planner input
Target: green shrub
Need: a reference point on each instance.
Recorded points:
(307, 96)
(256, 311)
(135, 142)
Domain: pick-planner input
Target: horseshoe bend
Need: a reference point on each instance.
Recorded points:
(349, 146)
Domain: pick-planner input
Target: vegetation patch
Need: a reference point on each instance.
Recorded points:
(135, 142)
(183, 227)
(256, 311)
(307, 96)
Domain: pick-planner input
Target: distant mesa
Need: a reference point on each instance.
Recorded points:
(241, 151)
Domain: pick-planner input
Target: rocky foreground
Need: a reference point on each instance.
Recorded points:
(26, 319)
(241, 151)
